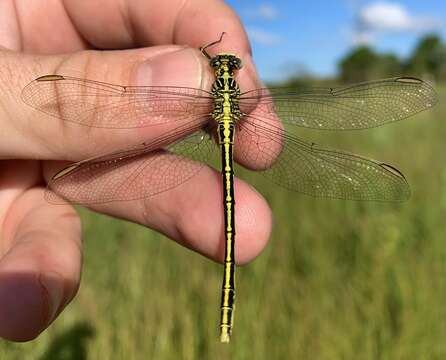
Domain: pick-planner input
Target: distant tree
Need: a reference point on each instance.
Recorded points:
(358, 65)
(388, 65)
(439, 57)
(363, 64)
(428, 57)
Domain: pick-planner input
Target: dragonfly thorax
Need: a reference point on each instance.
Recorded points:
(225, 85)
(225, 89)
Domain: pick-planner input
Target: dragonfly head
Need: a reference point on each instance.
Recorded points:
(225, 63)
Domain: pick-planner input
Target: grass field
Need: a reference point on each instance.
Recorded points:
(338, 280)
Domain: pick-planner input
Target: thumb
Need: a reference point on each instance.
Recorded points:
(28, 133)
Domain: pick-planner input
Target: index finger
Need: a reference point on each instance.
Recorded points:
(146, 23)
(115, 24)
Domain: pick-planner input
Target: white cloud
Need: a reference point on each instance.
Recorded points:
(263, 37)
(389, 17)
(392, 16)
(263, 12)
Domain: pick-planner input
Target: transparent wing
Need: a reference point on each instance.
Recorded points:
(98, 104)
(308, 169)
(136, 173)
(359, 106)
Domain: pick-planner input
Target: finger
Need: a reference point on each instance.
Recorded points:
(27, 133)
(121, 25)
(146, 23)
(32, 134)
(39, 263)
(118, 25)
(191, 213)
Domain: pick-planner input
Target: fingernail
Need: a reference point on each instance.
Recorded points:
(178, 68)
(53, 285)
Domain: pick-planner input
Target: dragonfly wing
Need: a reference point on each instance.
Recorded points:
(308, 169)
(136, 173)
(98, 104)
(359, 106)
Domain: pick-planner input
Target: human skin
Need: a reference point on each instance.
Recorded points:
(148, 43)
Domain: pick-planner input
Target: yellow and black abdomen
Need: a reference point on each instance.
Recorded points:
(226, 136)
(226, 113)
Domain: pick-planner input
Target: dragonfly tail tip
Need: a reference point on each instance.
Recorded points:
(225, 337)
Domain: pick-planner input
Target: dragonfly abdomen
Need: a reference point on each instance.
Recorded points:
(228, 287)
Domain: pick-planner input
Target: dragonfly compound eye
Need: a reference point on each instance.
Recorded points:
(215, 62)
(237, 63)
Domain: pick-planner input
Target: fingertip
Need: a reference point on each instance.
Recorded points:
(24, 308)
(31, 295)
(29, 302)
(40, 270)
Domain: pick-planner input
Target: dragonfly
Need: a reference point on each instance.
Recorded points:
(243, 125)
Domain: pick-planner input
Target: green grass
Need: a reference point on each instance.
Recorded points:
(338, 280)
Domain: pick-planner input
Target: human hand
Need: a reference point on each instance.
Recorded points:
(40, 243)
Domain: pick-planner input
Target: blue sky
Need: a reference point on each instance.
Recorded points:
(313, 35)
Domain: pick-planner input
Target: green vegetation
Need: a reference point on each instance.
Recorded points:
(427, 59)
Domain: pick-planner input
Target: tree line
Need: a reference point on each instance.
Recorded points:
(427, 60)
